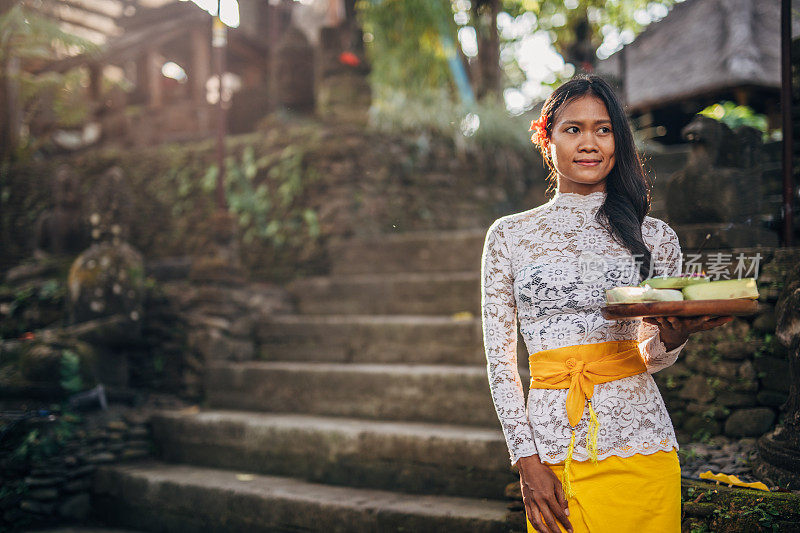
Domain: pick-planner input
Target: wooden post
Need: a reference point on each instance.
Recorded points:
(200, 69)
(155, 95)
(786, 110)
(219, 42)
(95, 82)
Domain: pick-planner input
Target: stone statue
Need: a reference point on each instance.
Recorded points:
(779, 450)
(110, 207)
(720, 182)
(293, 74)
(60, 230)
(106, 281)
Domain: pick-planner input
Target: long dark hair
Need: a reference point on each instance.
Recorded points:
(628, 191)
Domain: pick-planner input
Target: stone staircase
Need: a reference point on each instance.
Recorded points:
(369, 411)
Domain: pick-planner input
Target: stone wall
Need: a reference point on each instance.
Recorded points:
(351, 182)
(48, 461)
(733, 379)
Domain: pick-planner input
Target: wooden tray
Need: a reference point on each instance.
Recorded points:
(734, 306)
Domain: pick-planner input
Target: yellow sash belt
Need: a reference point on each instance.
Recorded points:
(579, 368)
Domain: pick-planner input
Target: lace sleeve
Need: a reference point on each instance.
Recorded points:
(499, 322)
(668, 261)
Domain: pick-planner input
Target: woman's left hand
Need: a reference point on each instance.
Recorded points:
(674, 330)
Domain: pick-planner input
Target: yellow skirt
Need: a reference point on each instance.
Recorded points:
(635, 494)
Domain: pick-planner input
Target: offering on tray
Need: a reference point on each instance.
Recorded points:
(675, 282)
(701, 289)
(624, 295)
(725, 289)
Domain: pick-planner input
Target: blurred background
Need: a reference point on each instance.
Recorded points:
(240, 247)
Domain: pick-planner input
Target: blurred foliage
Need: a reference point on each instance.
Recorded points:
(174, 200)
(263, 195)
(29, 303)
(48, 100)
(484, 124)
(560, 18)
(410, 63)
(27, 35)
(413, 89)
(70, 371)
(563, 22)
(734, 116)
(406, 49)
(45, 441)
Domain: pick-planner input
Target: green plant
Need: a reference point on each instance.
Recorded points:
(714, 382)
(158, 363)
(713, 351)
(721, 513)
(702, 435)
(687, 455)
(263, 195)
(11, 492)
(734, 116)
(766, 347)
(51, 294)
(706, 496)
(28, 36)
(765, 514)
(70, 371)
(406, 43)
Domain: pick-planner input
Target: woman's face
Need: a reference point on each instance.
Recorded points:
(582, 145)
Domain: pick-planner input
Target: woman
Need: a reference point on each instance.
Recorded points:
(612, 466)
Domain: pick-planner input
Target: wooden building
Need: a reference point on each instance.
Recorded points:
(702, 52)
(176, 102)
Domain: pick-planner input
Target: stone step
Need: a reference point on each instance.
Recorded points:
(423, 251)
(409, 457)
(442, 293)
(424, 393)
(167, 498)
(370, 338)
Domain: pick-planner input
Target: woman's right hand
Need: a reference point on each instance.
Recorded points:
(542, 495)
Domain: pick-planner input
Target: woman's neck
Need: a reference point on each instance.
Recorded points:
(581, 188)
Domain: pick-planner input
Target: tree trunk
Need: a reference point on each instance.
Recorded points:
(580, 50)
(7, 144)
(488, 81)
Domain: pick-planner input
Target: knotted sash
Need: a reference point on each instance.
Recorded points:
(579, 368)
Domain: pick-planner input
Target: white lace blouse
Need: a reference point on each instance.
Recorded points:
(549, 267)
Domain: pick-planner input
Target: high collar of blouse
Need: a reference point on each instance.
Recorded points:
(573, 199)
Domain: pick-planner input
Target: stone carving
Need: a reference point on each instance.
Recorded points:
(343, 91)
(107, 279)
(60, 230)
(719, 183)
(110, 207)
(294, 71)
(780, 449)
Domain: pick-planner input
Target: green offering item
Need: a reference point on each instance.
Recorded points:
(722, 290)
(627, 295)
(675, 282)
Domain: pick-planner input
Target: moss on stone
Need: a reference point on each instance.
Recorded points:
(735, 509)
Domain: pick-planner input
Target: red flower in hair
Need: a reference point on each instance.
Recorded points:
(539, 129)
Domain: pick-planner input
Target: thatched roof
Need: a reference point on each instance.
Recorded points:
(701, 47)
